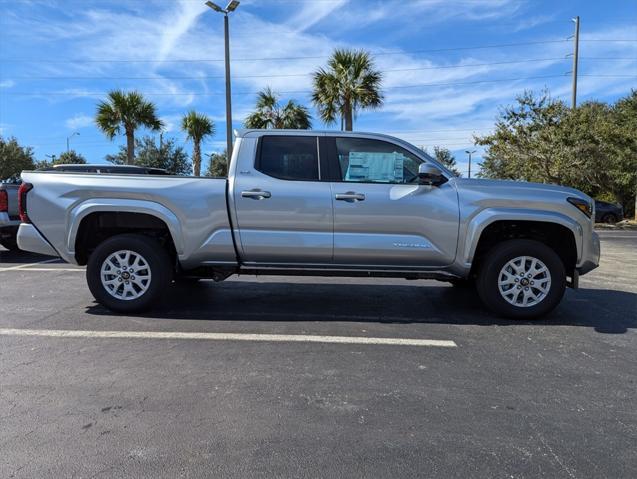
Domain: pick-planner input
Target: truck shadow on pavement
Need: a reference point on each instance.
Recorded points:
(607, 311)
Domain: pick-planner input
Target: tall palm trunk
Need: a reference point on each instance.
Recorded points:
(349, 117)
(130, 147)
(196, 158)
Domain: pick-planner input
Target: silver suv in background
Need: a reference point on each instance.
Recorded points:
(9, 216)
(303, 202)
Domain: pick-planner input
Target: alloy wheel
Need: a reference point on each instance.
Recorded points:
(524, 281)
(125, 275)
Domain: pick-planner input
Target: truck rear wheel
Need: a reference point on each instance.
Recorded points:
(521, 279)
(128, 273)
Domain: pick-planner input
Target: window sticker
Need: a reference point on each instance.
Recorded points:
(375, 167)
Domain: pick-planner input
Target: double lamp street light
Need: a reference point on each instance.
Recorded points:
(231, 7)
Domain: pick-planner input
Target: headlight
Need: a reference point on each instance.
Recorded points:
(582, 205)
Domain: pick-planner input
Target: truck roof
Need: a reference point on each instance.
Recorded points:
(243, 132)
(246, 132)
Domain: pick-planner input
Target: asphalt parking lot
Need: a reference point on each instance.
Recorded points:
(471, 395)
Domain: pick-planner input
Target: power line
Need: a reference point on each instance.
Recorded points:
(421, 85)
(208, 77)
(254, 59)
(204, 77)
(377, 53)
(618, 40)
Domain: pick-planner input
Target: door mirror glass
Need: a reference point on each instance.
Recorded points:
(429, 174)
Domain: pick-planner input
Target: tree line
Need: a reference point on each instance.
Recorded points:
(592, 148)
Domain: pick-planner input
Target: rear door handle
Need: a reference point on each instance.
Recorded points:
(350, 197)
(256, 194)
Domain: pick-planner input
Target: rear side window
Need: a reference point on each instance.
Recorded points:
(289, 157)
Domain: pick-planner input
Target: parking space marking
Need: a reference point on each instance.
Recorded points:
(282, 338)
(22, 266)
(21, 270)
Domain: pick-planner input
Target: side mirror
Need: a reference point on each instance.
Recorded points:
(428, 174)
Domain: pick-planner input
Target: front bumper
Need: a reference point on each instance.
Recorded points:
(30, 239)
(590, 255)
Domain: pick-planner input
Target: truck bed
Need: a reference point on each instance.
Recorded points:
(60, 201)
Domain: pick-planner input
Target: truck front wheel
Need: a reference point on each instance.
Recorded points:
(521, 279)
(128, 273)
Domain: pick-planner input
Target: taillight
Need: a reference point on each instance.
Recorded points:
(22, 201)
(4, 201)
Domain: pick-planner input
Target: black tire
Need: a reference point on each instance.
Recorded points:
(462, 283)
(10, 243)
(498, 257)
(609, 218)
(157, 259)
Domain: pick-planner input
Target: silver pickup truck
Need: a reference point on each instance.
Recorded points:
(314, 203)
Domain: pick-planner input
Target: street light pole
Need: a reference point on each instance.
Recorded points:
(470, 153)
(69, 137)
(228, 91)
(231, 7)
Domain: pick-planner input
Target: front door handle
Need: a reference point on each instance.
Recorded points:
(256, 194)
(350, 197)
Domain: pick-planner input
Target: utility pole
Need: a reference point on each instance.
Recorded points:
(231, 7)
(635, 202)
(470, 153)
(575, 61)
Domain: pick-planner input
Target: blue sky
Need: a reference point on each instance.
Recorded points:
(59, 57)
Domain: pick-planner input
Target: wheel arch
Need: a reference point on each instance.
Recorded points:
(557, 231)
(92, 222)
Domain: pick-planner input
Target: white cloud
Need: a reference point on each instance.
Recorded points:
(79, 121)
(180, 23)
(532, 21)
(172, 123)
(311, 13)
(7, 83)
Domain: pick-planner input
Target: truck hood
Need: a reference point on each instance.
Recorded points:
(516, 189)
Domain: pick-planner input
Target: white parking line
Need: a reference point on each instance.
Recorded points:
(21, 270)
(22, 266)
(282, 338)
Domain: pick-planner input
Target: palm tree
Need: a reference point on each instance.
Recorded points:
(126, 111)
(197, 127)
(349, 83)
(270, 114)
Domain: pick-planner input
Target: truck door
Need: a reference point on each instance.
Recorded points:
(283, 209)
(382, 216)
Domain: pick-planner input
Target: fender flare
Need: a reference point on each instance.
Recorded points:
(477, 224)
(115, 205)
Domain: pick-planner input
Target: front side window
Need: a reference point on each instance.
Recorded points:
(289, 157)
(374, 161)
